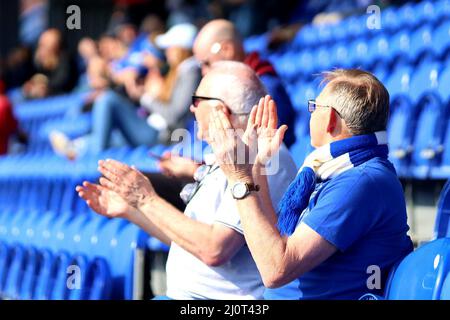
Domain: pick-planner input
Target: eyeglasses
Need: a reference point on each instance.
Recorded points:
(312, 106)
(197, 99)
(189, 190)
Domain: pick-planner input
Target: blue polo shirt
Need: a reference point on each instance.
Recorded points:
(362, 213)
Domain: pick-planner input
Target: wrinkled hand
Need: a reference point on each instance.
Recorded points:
(176, 166)
(232, 153)
(104, 201)
(262, 130)
(128, 182)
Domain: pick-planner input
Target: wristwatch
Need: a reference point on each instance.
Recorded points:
(241, 189)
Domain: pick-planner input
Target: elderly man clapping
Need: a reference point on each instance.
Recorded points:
(208, 258)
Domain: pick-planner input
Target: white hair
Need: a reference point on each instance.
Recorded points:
(237, 85)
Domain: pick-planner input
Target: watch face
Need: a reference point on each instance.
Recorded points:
(239, 190)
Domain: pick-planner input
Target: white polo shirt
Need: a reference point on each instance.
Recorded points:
(190, 278)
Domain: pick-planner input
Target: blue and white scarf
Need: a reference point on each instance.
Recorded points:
(326, 163)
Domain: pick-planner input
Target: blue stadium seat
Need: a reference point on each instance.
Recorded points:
(322, 61)
(4, 265)
(57, 284)
(288, 65)
(421, 41)
(359, 52)
(357, 26)
(425, 11)
(421, 275)
(324, 33)
(340, 56)
(256, 43)
(442, 9)
(401, 120)
(400, 45)
(443, 169)
(305, 60)
(30, 274)
(42, 289)
(15, 273)
(76, 277)
(442, 223)
(398, 84)
(305, 37)
(445, 292)
(389, 19)
(377, 50)
(441, 38)
(381, 71)
(431, 124)
(339, 31)
(428, 144)
(407, 16)
(98, 281)
(302, 92)
(444, 79)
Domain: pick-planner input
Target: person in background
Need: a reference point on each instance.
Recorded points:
(163, 99)
(55, 72)
(8, 123)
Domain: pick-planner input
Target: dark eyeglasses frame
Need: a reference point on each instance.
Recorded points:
(312, 106)
(195, 99)
(195, 103)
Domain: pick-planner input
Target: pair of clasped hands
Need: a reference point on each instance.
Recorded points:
(123, 189)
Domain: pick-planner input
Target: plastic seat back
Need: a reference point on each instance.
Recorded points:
(421, 274)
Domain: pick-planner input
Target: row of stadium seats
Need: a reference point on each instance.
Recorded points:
(61, 238)
(33, 114)
(407, 17)
(27, 273)
(405, 47)
(45, 229)
(47, 182)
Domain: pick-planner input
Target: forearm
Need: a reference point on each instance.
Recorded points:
(259, 220)
(260, 178)
(139, 219)
(191, 235)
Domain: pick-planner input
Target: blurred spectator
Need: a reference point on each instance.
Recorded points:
(152, 24)
(165, 99)
(33, 21)
(220, 40)
(55, 72)
(111, 48)
(187, 11)
(8, 124)
(19, 67)
(87, 49)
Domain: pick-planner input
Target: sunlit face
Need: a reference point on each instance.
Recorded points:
(202, 109)
(207, 54)
(319, 120)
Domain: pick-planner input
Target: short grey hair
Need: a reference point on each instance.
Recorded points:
(237, 85)
(361, 99)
